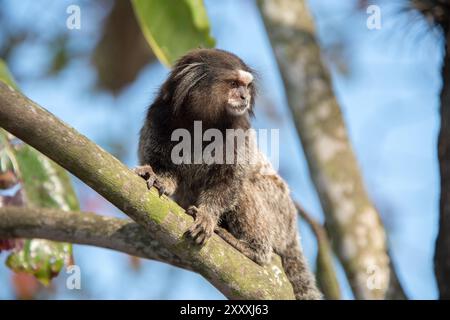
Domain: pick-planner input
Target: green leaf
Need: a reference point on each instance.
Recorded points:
(173, 27)
(5, 76)
(44, 184)
(42, 258)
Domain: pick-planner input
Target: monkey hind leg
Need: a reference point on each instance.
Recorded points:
(254, 250)
(298, 273)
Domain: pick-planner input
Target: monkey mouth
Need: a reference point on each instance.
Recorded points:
(238, 109)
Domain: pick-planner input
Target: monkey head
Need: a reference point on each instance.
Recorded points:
(239, 92)
(210, 85)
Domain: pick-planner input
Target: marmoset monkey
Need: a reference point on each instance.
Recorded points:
(248, 199)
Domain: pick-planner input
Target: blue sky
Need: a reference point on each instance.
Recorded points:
(389, 101)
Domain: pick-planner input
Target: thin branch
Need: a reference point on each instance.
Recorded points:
(87, 228)
(325, 271)
(233, 274)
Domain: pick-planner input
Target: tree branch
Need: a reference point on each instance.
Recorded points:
(87, 228)
(233, 274)
(325, 271)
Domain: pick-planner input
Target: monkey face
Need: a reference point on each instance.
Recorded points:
(208, 84)
(239, 94)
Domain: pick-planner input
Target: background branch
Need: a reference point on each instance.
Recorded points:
(325, 271)
(233, 274)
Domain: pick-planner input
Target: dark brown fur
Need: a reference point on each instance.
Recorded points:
(254, 208)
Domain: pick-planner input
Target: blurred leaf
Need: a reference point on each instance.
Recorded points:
(60, 55)
(42, 258)
(5, 76)
(121, 40)
(14, 200)
(44, 184)
(9, 244)
(173, 27)
(25, 286)
(5, 162)
(7, 179)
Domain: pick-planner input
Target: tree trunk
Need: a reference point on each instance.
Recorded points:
(353, 222)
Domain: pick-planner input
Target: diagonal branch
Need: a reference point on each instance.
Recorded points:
(234, 275)
(87, 228)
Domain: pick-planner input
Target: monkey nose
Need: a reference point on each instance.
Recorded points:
(243, 94)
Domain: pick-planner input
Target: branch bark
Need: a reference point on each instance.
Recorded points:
(353, 222)
(86, 228)
(233, 274)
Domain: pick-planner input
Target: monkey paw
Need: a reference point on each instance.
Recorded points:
(203, 226)
(146, 173)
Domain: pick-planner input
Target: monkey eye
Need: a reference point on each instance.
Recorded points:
(234, 84)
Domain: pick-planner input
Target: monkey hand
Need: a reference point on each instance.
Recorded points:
(203, 226)
(146, 173)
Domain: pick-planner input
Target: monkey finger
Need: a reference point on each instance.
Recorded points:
(204, 236)
(139, 172)
(151, 182)
(144, 171)
(192, 211)
(161, 191)
(197, 232)
(200, 238)
(207, 236)
(194, 230)
(160, 187)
